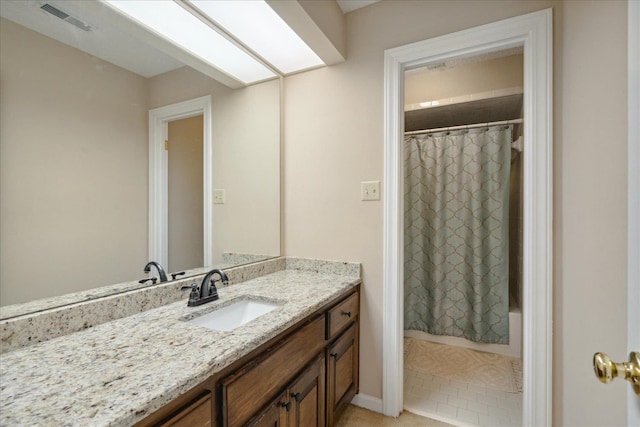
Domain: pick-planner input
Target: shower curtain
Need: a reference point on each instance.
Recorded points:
(456, 233)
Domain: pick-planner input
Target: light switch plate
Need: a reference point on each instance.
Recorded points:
(370, 190)
(218, 197)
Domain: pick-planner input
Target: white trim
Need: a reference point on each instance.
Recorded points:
(534, 32)
(367, 402)
(158, 176)
(633, 275)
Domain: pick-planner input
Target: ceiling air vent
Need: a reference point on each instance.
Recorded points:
(65, 17)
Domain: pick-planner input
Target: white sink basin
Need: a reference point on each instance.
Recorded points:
(234, 315)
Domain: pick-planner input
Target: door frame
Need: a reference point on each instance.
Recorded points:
(633, 199)
(533, 31)
(159, 119)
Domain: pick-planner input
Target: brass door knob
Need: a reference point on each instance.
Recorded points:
(606, 369)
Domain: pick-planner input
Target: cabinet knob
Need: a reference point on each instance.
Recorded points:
(287, 405)
(346, 313)
(296, 396)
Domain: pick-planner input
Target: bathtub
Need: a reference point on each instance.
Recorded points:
(513, 349)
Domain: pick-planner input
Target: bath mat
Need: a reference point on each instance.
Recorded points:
(461, 364)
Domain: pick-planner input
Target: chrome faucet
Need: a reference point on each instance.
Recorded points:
(163, 275)
(208, 291)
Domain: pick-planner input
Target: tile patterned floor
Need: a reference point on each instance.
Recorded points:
(460, 403)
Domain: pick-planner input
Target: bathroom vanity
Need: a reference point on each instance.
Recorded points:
(302, 377)
(295, 365)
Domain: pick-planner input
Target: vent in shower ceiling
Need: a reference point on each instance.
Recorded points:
(65, 17)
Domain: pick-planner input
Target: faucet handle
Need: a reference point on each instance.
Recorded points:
(152, 280)
(195, 294)
(179, 273)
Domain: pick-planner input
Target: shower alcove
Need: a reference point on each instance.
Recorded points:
(457, 113)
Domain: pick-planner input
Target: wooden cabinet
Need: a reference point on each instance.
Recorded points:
(194, 409)
(342, 315)
(342, 372)
(320, 392)
(256, 383)
(197, 414)
(274, 415)
(304, 377)
(307, 396)
(301, 404)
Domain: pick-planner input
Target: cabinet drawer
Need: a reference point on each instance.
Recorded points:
(254, 385)
(342, 314)
(196, 414)
(275, 415)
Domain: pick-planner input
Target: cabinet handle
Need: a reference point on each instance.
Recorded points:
(296, 396)
(346, 313)
(334, 355)
(287, 405)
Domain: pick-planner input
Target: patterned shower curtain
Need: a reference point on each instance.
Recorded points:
(456, 233)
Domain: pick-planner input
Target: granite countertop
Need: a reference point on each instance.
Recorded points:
(117, 373)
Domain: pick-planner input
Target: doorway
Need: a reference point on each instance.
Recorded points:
(185, 204)
(159, 119)
(462, 231)
(533, 33)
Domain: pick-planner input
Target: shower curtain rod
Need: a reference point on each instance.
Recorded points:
(475, 125)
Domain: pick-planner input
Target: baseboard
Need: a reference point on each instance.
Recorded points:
(368, 402)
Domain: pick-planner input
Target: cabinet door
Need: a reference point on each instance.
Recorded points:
(342, 373)
(255, 384)
(307, 396)
(274, 415)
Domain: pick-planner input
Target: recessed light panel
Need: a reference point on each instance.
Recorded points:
(256, 25)
(176, 24)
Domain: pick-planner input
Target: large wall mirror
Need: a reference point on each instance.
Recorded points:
(75, 153)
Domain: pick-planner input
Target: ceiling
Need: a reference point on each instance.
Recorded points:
(349, 5)
(106, 40)
(481, 111)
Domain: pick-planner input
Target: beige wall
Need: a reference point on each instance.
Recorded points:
(247, 167)
(464, 79)
(246, 157)
(590, 209)
(334, 140)
(73, 169)
(186, 243)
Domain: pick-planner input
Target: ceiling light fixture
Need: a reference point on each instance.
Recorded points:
(174, 23)
(268, 35)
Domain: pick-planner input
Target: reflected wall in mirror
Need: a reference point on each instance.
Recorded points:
(74, 154)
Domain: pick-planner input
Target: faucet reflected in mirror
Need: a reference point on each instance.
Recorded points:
(158, 266)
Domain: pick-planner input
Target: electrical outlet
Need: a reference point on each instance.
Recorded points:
(370, 190)
(218, 197)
